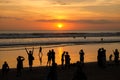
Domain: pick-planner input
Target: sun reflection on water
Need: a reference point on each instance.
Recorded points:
(60, 51)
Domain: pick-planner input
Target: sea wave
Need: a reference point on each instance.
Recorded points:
(57, 42)
(55, 35)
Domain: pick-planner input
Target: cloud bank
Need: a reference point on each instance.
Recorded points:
(102, 21)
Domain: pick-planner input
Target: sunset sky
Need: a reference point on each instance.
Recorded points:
(71, 14)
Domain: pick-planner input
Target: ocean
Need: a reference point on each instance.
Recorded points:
(13, 44)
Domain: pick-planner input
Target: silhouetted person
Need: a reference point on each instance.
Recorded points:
(5, 68)
(49, 58)
(110, 57)
(101, 57)
(104, 56)
(79, 74)
(40, 55)
(81, 53)
(52, 75)
(20, 60)
(67, 60)
(116, 56)
(30, 57)
(53, 56)
(40, 50)
(62, 58)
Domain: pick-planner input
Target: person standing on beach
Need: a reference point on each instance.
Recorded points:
(62, 58)
(81, 53)
(40, 55)
(101, 57)
(116, 56)
(67, 60)
(20, 60)
(49, 58)
(53, 56)
(5, 68)
(30, 57)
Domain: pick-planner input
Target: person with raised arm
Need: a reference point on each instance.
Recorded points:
(30, 57)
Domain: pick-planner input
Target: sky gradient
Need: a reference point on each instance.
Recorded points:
(73, 14)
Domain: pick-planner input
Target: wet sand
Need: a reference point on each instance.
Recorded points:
(92, 71)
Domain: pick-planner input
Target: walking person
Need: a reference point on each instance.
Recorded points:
(20, 60)
(30, 57)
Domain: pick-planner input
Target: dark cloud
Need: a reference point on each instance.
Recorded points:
(81, 21)
(5, 17)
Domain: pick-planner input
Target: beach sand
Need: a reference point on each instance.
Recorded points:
(92, 71)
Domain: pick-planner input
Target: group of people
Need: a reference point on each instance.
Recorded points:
(65, 59)
(101, 58)
(20, 60)
(51, 57)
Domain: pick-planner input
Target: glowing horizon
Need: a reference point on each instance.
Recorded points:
(75, 14)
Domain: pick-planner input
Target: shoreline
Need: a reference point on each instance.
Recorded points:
(57, 44)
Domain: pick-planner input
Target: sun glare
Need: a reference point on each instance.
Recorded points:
(59, 25)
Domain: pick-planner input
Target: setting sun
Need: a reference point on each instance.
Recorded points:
(59, 25)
